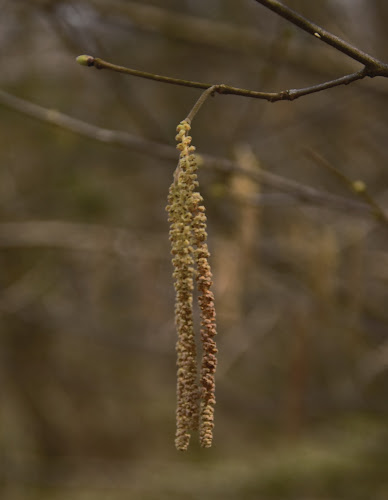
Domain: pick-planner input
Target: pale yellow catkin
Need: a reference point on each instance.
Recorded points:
(188, 245)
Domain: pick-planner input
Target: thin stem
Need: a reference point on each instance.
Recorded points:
(200, 101)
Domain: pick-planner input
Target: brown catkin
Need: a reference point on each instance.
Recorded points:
(208, 326)
(180, 236)
(195, 407)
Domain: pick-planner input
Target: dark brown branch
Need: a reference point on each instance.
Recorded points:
(219, 35)
(283, 95)
(300, 192)
(343, 80)
(373, 65)
(216, 34)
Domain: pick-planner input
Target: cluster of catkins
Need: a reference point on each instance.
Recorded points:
(195, 391)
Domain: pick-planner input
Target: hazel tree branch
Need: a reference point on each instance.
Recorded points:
(300, 192)
(216, 34)
(283, 95)
(373, 66)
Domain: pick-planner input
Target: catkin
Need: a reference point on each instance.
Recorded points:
(195, 405)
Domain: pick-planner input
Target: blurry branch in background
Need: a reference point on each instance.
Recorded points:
(182, 26)
(356, 186)
(301, 193)
(114, 137)
(235, 257)
(72, 236)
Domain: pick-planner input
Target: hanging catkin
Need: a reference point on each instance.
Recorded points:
(195, 404)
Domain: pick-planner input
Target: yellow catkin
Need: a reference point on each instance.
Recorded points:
(188, 246)
(180, 218)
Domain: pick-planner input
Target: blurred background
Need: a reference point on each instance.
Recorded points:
(87, 342)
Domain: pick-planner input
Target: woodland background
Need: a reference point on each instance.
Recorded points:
(87, 360)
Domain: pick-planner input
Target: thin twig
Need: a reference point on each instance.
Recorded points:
(374, 66)
(300, 192)
(283, 95)
(219, 35)
(216, 34)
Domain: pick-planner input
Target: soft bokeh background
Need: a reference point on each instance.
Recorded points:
(87, 361)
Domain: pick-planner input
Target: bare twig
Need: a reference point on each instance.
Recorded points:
(373, 66)
(216, 34)
(283, 95)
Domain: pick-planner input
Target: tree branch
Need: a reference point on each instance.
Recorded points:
(283, 95)
(373, 65)
(216, 34)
